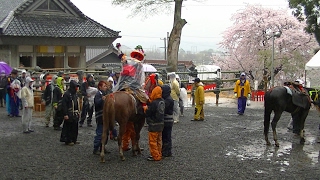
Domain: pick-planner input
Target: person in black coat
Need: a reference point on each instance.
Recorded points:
(70, 109)
(168, 121)
(98, 104)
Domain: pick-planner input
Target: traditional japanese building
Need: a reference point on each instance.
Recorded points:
(48, 34)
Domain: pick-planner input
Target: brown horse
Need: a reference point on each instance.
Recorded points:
(123, 107)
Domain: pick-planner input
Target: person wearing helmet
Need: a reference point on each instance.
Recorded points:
(86, 109)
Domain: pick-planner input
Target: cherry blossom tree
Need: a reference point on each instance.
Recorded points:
(249, 43)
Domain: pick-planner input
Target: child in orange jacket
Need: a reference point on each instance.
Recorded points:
(155, 121)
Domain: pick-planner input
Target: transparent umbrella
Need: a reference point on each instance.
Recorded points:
(148, 68)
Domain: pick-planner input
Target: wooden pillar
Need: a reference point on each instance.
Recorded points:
(34, 57)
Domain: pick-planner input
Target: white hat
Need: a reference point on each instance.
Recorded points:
(300, 81)
(23, 71)
(242, 74)
(110, 79)
(29, 79)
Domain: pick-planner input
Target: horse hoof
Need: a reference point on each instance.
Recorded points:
(302, 141)
(123, 158)
(268, 144)
(276, 144)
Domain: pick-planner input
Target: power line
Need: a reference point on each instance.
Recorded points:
(141, 36)
(235, 5)
(207, 37)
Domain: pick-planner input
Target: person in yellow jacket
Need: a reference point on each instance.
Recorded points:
(175, 93)
(199, 101)
(242, 91)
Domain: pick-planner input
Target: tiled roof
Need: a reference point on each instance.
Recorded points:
(8, 5)
(14, 21)
(56, 26)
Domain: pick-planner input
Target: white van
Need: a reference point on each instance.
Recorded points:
(208, 68)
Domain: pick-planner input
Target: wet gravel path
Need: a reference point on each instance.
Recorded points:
(225, 146)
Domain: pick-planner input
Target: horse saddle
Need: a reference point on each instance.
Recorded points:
(141, 95)
(138, 94)
(301, 100)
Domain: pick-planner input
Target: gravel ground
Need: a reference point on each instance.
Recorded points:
(225, 146)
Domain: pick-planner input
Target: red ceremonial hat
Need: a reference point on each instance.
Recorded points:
(137, 55)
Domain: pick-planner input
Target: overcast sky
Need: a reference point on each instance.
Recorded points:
(206, 22)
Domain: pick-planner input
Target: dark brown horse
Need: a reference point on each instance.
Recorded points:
(123, 107)
(278, 100)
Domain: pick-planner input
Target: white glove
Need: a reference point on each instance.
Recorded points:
(235, 95)
(249, 96)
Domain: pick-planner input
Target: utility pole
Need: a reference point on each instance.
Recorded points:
(274, 35)
(165, 48)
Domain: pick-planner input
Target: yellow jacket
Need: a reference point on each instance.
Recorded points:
(246, 87)
(175, 90)
(199, 95)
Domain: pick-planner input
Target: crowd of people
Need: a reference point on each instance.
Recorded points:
(162, 110)
(164, 107)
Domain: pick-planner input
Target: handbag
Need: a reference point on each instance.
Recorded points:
(248, 102)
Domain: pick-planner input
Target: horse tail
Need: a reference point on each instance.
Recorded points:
(109, 112)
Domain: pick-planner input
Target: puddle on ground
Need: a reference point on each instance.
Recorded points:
(226, 102)
(287, 154)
